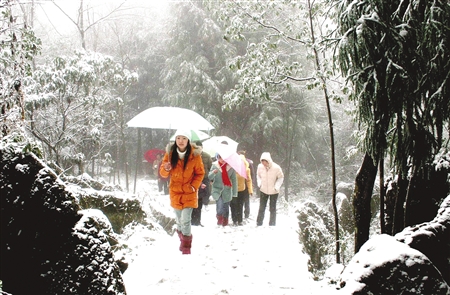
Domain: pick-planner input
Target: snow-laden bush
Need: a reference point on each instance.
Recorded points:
(316, 234)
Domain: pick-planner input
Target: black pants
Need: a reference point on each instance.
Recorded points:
(203, 199)
(247, 205)
(163, 185)
(237, 206)
(196, 216)
(272, 208)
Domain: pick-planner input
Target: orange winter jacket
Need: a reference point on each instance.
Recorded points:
(184, 184)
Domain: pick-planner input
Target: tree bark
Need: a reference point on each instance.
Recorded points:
(138, 159)
(426, 189)
(399, 213)
(362, 196)
(382, 195)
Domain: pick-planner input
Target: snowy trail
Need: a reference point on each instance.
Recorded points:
(230, 260)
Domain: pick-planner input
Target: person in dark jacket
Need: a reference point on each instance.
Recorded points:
(204, 192)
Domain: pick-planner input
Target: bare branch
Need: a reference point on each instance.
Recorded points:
(62, 10)
(270, 26)
(285, 78)
(106, 16)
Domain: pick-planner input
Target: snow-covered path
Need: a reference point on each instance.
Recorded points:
(230, 260)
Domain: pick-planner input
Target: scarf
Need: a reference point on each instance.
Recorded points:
(225, 179)
(181, 154)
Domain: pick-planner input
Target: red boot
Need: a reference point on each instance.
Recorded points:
(219, 219)
(180, 235)
(225, 222)
(186, 242)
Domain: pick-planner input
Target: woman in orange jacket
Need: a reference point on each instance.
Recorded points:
(183, 163)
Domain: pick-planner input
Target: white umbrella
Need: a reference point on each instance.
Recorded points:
(211, 145)
(170, 118)
(196, 135)
(167, 118)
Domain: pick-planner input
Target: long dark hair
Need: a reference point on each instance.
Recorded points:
(174, 154)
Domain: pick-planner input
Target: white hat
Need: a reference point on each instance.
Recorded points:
(182, 132)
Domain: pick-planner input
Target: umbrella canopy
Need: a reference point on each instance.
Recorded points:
(211, 145)
(233, 159)
(151, 155)
(196, 135)
(170, 118)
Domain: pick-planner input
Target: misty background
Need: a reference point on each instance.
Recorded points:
(350, 100)
(181, 53)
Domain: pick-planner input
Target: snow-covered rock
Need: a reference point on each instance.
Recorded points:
(415, 261)
(49, 246)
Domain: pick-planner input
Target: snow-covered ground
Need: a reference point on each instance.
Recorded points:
(230, 260)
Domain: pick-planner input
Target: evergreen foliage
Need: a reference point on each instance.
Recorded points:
(396, 57)
(18, 46)
(82, 92)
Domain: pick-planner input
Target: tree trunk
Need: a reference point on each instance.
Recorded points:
(409, 197)
(382, 194)
(330, 126)
(362, 196)
(398, 218)
(290, 137)
(427, 188)
(81, 25)
(138, 159)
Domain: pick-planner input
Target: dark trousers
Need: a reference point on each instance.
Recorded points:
(237, 206)
(196, 216)
(162, 185)
(247, 205)
(272, 208)
(203, 199)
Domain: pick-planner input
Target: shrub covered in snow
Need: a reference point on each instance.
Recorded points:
(316, 234)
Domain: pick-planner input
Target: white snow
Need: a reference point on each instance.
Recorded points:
(230, 260)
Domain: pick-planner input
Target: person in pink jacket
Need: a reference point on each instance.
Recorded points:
(269, 177)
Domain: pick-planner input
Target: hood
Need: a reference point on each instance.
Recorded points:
(266, 156)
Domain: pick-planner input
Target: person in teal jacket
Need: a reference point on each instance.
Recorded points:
(223, 188)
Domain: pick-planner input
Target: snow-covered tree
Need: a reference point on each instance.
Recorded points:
(73, 106)
(18, 47)
(286, 47)
(89, 15)
(197, 75)
(396, 56)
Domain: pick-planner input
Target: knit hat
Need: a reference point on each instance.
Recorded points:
(182, 132)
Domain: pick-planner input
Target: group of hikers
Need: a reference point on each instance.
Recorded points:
(191, 177)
